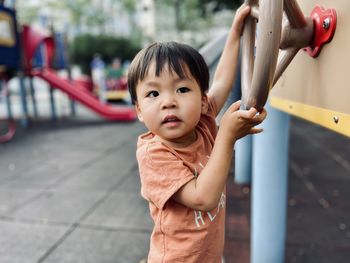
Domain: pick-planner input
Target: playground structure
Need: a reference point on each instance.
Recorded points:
(316, 88)
(30, 53)
(306, 82)
(305, 64)
(318, 101)
(297, 66)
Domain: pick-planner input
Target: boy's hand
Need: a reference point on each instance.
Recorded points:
(238, 123)
(238, 22)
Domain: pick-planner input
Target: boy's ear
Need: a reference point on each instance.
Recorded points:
(205, 103)
(138, 112)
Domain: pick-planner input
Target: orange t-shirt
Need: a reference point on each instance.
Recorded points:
(180, 234)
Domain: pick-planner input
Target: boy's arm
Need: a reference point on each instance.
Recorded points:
(203, 193)
(226, 70)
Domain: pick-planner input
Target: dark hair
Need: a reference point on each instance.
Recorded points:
(176, 56)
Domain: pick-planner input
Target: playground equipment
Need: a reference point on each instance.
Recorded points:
(109, 82)
(9, 62)
(74, 90)
(298, 32)
(81, 95)
(314, 87)
(9, 129)
(31, 54)
(317, 101)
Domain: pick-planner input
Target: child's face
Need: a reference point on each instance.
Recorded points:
(170, 106)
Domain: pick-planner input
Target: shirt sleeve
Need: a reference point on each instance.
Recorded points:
(162, 174)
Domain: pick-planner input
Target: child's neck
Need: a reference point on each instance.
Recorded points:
(182, 142)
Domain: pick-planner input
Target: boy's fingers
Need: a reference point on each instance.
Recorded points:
(256, 130)
(235, 106)
(243, 12)
(248, 114)
(262, 115)
(255, 122)
(259, 118)
(243, 9)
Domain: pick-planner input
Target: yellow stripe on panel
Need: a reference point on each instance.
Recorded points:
(336, 121)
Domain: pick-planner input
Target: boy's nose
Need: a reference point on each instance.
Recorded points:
(168, 102)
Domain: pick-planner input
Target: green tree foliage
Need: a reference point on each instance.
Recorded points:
(83, 48)
(191, 10)
(129, 5)
(130, 8)
(222, 4)
(82, 12)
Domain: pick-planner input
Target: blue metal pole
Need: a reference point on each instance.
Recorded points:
(32, 94)
(243, 147)
(72, 102)
(53, 104)
(269, 190)
(243, 160)
(8, 102)
(73, 108)
(7, 98)
(25, 118)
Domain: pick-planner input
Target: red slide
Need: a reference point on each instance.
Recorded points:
(113, 113)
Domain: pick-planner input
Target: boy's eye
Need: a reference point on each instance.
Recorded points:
(152, 94)
(182, 90)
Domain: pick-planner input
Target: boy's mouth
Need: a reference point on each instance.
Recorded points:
(170, 118)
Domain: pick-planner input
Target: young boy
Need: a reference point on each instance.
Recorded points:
(183, 160)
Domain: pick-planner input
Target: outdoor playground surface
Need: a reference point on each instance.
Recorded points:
(70, 192)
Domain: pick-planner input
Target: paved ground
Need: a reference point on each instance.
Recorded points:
(69, 192)
(318, 227)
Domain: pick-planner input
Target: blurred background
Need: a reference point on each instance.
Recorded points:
(121, 27)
